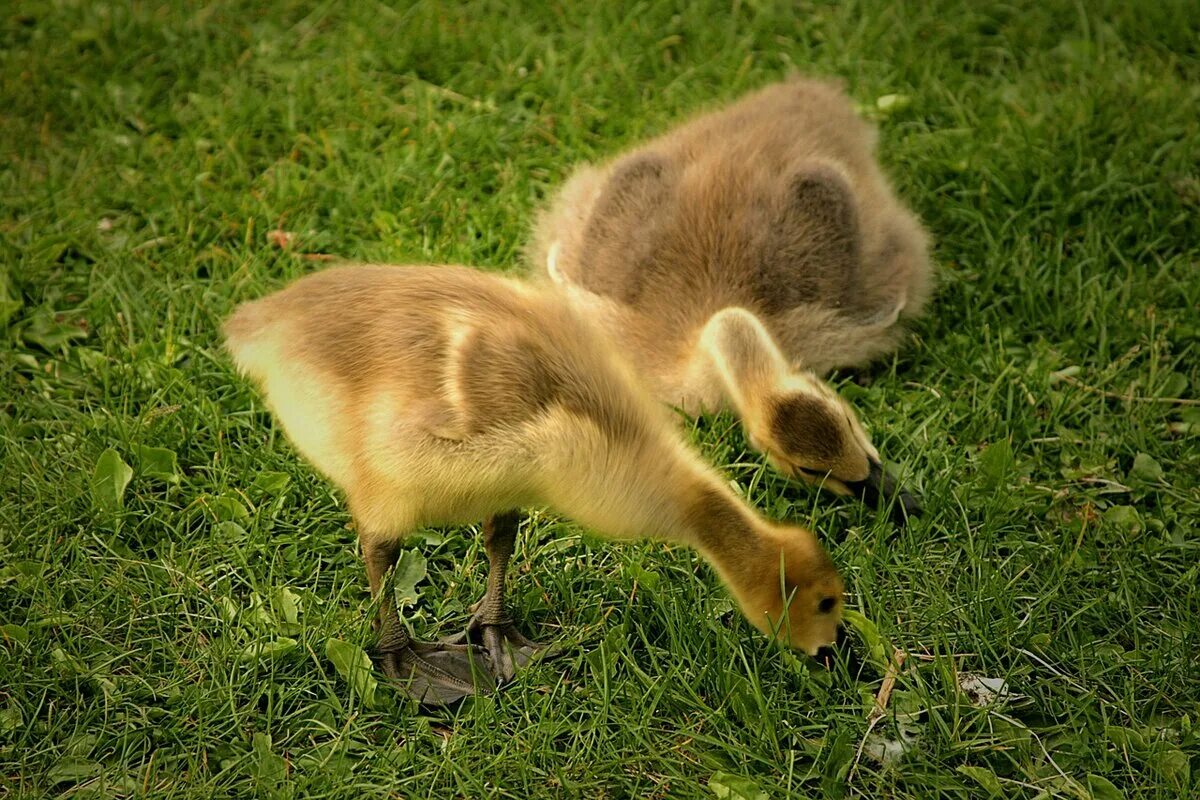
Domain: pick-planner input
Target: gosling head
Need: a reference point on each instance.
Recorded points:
(792, 592)
(808, 432)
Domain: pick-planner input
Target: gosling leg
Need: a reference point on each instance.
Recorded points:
(431, 673)
(491, 625)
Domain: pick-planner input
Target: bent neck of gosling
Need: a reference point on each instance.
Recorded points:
(737, 347)
(742, 546)
(782, 578)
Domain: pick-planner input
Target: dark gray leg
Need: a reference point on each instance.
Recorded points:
(499, 539)
(379, 558)
(432, 673)
(491, 625)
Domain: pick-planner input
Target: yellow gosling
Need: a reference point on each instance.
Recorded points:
(434, 395)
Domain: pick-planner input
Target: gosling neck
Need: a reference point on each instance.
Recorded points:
(747, 362)
(724, 529)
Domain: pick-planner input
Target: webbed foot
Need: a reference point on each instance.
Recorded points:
(438, 673)
(507, 648)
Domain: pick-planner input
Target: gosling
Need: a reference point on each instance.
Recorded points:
(444, 395)
(739, 257)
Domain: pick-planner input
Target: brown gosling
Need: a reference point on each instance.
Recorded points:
(435, 395)
(741, 255)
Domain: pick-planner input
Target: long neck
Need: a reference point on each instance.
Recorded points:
(736, 346)
(722, 527)
(653, 486)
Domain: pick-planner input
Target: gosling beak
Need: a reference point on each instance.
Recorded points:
(826, 655)
(879, 487)
(843, 650)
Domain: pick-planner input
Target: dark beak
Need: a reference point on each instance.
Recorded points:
(844, 651)
(829, 653)
(880, 487)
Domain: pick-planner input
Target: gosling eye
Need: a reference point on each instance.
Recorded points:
(826, 605)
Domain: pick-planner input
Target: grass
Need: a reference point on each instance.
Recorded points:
(147, 152)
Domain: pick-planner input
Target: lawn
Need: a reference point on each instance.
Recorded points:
(170, 637)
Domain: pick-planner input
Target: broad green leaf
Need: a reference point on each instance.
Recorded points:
(227, 606)
(227, 508)
(90, 360)
(603, 659)
(51, 334)
(648, 578)
(1174, 384)
(10, 300)
(106, 686)
(81, 743)
(229, 531)
(410, 570)
(852, 391)
(385, 221)
(268, 651)
(1040, 640)
(109, 479)
(1146, 469)
(1170, 762)
(328, 758)
(286, 605)
(271, 482)
(907, 704)
(1126, 738)
(727, 786)
(13, 633)
(260, 616)
(106, 787)
(23, 573)
(995, 463)
(742, 698)
(1011, 734)
(72, 769)
(877, 649)
(839, 758)
(269, 768)
(1102, 788)
(1124, 518)
(158, 462)
(984, 777)
(65, 664)
(430, 537)
(891, 103)
(1066, 372)
(11, 718)
(354, 665)
(1077, 52)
